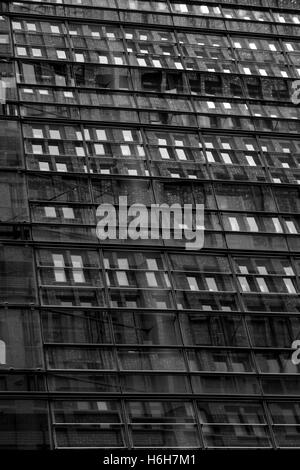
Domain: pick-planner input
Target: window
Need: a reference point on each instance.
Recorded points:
(234, 224)
(244, 283)
(37, 52)
(192, 283)
(68, 213)
(78, 275)
(2, 352)
(262, 284)
(61, 54)
(252, 224)
(59, 263)
(50, 212)
(211, 284)
(291, 226)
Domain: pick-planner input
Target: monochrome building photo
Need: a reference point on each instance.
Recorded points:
(149, 224)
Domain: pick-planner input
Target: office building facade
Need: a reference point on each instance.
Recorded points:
(141, 343)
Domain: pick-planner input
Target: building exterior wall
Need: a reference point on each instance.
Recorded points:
(142, 343)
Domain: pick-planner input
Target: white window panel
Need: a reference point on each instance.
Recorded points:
(289, 47)
(77, 270)
(244, 284)
(193, 284)
(101, 134)
(210, 157)
(211, 284)
(250, 160)
(252, 224)
(160, 305)
(262, 284)
(79, 151)
(50, 212)
(122, 278)
(61, 167)
(262, 270)
(226, 146)
(53, 150)
(99, 149)
(234, 224)
(118, 60)
(125, 150)
(181, 154)
(54, 134)
(141, 150)
(54, 29)
(37, 133)
(127, 135)
(182, 8)
(37, 149)
(44, 166)
(152, 264)
(226, 158)
(31, 26)
(141, 62)
(79, 57)
(164, 153)
(132, 172)
(289, 286)
(291, 226)
(61, 54)
(103, 59)
(36, 52)
(59, 272)
(68, 213)
(21, 51)
(243, 270)
(277, 225)
(86, 133)
(288, 270)
(151, 280)
(123, 263)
